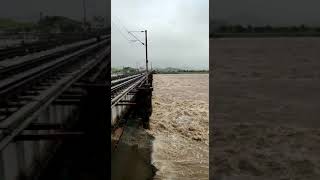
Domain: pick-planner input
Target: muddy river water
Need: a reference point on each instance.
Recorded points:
(177, 144)
(179, 124)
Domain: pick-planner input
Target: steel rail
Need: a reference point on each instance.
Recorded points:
(35, 47)
(120, 86)
(138, 82)
(18, 80)
(9, 66)
(20, 120)
(25, 49)
(117, 81)
(115, 77)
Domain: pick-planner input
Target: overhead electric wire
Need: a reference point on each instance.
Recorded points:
(136, 38)
(130, 32)
(121, 32)
(122, 25)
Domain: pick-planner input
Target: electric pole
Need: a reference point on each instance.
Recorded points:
(84, 13)
(146, 45)
(107, 11)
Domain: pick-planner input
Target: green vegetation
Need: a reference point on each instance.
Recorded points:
(48, 24)
(12, 25)
(267, 30)
(52, 24)
(170, 70)
(59, 24)
(124, 70)
(115, 70)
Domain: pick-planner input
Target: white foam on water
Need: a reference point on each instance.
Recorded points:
(180, 126)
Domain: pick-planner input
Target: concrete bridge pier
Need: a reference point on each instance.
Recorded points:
(144, 102)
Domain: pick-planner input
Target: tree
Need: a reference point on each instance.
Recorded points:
(129, 70)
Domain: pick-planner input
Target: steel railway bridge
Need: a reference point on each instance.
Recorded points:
(127, 92)
(54, 113)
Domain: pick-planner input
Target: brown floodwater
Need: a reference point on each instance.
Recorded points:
(265, 109)
(180, 126)
(177, 144)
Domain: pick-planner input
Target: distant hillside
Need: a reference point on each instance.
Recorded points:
(220, 28)
(217, 23)
(9, 24)
(170, 70)
(223, 28)
(59, 24)
(124, 70)
(48, 24)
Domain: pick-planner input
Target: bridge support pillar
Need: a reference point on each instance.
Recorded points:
(144, 103)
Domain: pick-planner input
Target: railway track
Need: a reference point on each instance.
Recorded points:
(122, 86)
(10, 67)
(124, 93)
(120, 76)
(25, 49)
(31, 84)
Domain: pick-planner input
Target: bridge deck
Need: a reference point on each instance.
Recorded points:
(42, 105)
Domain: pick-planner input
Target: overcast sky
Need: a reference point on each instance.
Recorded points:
(260, 12)
(178, 33)
(30, 9)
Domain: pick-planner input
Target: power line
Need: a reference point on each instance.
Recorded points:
(135, 37)
(122, 24)
(130, 32)
(121, 31)
(124, 36)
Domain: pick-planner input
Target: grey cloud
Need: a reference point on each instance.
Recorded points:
(178, 32)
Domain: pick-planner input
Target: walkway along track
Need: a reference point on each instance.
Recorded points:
(30, 87)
